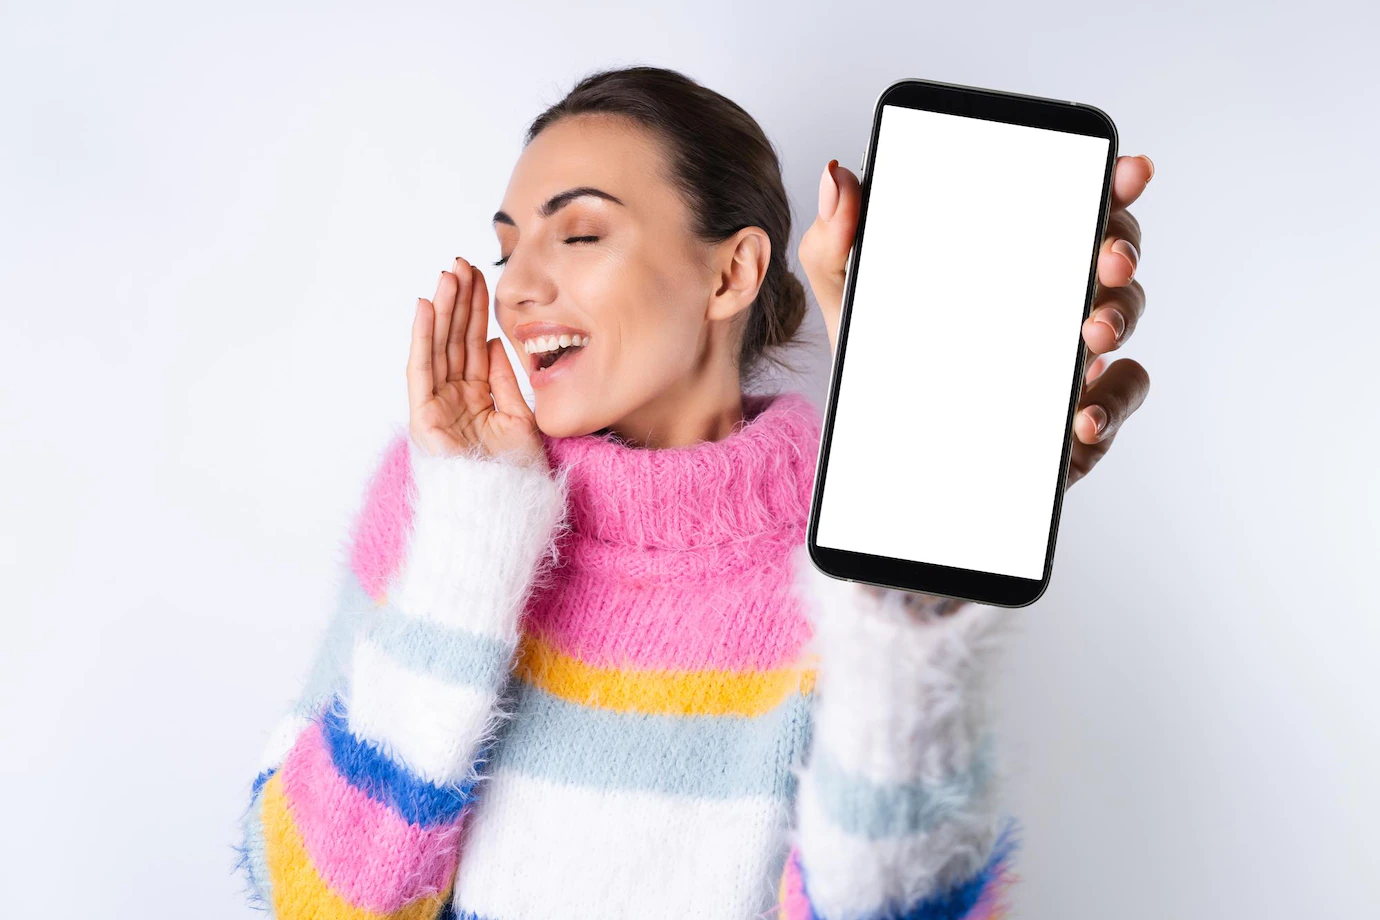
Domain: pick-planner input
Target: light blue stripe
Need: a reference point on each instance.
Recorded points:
(454, 655)
(253, 851)
(868, 809)
(952, 903)
(325, 678)
(703, 756)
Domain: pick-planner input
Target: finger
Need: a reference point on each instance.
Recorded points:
(1123, 225)
(446, 287)
(419, 380)
(476, 341)
(503, 382)
(1113, 317)
(1094, 371)
(459, 318)
(1130, 175)
(1111, 398)
(1116, 262)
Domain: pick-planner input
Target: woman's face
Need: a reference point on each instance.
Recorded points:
(597, 243)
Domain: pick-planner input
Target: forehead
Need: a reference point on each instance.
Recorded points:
(612, 154)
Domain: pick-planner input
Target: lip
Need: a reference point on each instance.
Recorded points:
(532, 330)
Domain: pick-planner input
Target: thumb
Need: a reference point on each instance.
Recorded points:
(825, 245)
(840, 196)
(503, 382)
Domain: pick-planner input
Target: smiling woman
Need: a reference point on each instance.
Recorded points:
(581, 665)
(649, 213)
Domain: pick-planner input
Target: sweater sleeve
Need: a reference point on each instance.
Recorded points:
(357, 807)
(895, 813)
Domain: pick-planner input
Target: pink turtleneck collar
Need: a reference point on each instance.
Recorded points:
(723, 495)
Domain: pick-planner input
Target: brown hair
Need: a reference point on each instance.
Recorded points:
(727, 170)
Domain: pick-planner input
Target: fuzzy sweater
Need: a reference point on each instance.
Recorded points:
(620, 689)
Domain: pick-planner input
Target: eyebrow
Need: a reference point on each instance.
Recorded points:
(556, 202)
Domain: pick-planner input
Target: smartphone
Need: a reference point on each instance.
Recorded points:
(959, 359)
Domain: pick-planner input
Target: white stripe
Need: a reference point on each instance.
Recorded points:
(850, 876)
(432, 727)
(281, 741)
(538, 849)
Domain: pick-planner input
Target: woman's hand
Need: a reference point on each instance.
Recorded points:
(1110, 392)
(462, 392)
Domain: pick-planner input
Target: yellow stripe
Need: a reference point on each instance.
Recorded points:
(661, 691)
(297, 889)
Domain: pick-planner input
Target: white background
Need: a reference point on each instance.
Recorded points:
(930, 292)
(214, 223)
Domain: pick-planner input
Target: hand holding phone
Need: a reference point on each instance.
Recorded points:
(980, 200)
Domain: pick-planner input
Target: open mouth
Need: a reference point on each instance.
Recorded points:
(546, 351)
(546, 359)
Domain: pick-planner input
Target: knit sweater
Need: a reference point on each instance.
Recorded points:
(618, 688)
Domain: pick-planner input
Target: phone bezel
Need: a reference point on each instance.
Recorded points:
(928, 578)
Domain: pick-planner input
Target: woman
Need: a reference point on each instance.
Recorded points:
(582, 666)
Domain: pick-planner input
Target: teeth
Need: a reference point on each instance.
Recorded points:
(544, 343)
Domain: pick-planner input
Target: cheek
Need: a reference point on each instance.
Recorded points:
(645, 314)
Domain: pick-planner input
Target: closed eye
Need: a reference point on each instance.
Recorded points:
(573, 239)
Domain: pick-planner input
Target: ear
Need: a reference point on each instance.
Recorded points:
(741, 263)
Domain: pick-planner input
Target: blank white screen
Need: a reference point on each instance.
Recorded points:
(954, 393)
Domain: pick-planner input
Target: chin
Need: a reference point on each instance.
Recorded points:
(558, 421)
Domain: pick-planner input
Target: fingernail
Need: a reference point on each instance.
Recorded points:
(1098, 416)
(828, 192)
(1112, 319)
(1152, 168)
(1126, 249)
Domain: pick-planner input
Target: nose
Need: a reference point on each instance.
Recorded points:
(524, 282)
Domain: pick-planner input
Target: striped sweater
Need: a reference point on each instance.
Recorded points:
(620, 689)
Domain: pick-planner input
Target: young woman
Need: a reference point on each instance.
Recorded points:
(582, 667)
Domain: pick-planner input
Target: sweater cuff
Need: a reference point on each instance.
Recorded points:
(901, 691)
(483, 530)
(896, 811)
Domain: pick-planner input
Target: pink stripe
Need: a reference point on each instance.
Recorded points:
(366, 852)
(380, 533)
(753, 623)
(794, 904)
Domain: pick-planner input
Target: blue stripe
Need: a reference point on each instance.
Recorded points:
(701, 756)
(868, 809)
(954, 902)
(384, 780)
(261, 779)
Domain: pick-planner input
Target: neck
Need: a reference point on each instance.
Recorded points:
(683, 416)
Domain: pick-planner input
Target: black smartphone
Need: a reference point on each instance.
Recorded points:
(949, 423)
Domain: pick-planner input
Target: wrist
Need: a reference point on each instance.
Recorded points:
(920, 606)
